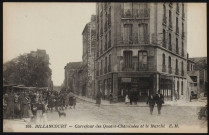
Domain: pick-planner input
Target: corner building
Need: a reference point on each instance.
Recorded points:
(141, 48)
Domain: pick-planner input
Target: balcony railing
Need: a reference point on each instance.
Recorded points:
(177, 71)
(164, 68)
(142, 13)
(164, 20)
(182, 73)
(127, 13)
(142, 67)
(170, 70)
(127, 68)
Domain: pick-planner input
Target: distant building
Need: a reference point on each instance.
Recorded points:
(89, 35)
(197, 71)
(140, 48)
(70, 68)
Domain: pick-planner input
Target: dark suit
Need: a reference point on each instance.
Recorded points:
(151, 102)
(159, 98)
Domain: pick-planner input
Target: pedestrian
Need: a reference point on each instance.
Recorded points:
(10, 105)
(127, 100)
(40, 111)
(71, 95)
(131, 97)
(74, 102)
(17, 105)
(27, 113)
(111, 98)
(159, 99)
(151, 102)
(98, 98)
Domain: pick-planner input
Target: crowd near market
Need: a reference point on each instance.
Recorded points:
(32, 104)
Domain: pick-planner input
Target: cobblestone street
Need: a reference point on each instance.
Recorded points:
(88, 113)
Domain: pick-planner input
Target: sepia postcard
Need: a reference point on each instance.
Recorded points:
(105, 67)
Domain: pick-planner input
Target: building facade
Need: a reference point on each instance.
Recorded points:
(89, 34)
(140, 48)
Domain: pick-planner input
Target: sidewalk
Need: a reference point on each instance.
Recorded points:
(143, 104)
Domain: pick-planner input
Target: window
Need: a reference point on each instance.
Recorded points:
(127, 33)
(170, 19)
(128, 59)
(182, 30)
(98, 68)
(177, 70)
(182, 88)
(101, 67)
(163, 64)
(164, 38)
(142, 59)
(182, 49)
(177, 25)
(109, 43)
(183, 15)
(177, 46)
(101, 48)
(163, 59)
(164, 14)
(143, 33)
(182, 68)
(127, 10)
(169, 65)
(170, 46)
(105, 70)
(109, 68)
(105, 42)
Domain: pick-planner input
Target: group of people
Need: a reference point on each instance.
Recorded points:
(32, 105)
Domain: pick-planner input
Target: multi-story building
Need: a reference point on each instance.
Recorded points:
(197, 71)
(70, 68)
(89, 34)
(141, 48)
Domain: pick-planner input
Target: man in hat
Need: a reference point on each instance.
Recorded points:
(151, 102)
(159, 98)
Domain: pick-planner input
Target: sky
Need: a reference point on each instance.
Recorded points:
(57, 28)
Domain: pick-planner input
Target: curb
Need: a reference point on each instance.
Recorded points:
(119, 104)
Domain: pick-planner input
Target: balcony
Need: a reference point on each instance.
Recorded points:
(164, 20)
(177, 71)
(127, 13)
(142, 67)
(182, 73)
(177, 30)
(164, 68)
(142, 13)
(170, 70)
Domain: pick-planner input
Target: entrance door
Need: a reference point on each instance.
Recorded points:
(144, 88)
